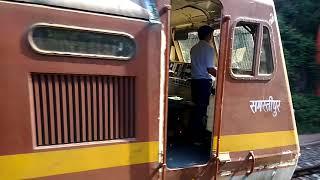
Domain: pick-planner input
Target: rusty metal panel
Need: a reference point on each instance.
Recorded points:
(83, 110)
(94, 108)
(51, 111)
(88, 108)
(132, 107)
(126, 108)
(19, 65)
(77, 108)
(44, 109)
(106, 107)
(70, 108)
(116, 106)
(111, 117)
(64, 109)
(121, 127)
(100, 103)
(58, 109)
(36, 95)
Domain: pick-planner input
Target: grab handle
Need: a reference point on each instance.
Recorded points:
(253, 162)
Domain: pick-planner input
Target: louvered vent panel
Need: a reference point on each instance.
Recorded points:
(82, 108)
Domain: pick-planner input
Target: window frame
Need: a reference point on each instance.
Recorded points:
(257, 51)
(84, 55)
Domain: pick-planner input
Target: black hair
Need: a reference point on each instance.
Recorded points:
(204, 32)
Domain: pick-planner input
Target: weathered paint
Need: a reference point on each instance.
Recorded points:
(32, 165)
(241, 131)
(259, 132)
(274, 174)
(20, 156)
(254, 141)
(57, 162)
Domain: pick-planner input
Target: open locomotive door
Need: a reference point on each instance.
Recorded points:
(254, 133)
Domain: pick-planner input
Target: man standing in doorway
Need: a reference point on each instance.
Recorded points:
(202, 70)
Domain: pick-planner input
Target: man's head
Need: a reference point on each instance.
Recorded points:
(205, 33)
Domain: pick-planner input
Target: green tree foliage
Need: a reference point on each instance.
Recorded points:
(299, 22)
(307, 113)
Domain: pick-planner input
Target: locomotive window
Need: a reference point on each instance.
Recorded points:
(245, 36)
(75, 41)
(216, 39)
(266, 58)
(187, 44)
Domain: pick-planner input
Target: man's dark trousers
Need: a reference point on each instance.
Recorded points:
(200, 92)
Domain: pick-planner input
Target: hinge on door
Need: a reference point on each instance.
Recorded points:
(156, 170)
(160, 165)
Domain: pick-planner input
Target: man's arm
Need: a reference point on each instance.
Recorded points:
(212, 71)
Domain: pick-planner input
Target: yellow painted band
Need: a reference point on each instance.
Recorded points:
(247, 142)
(31, 165)
(40, 164)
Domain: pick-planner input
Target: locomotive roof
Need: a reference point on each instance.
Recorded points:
(184, 11)
(198, 12)
(127, 8)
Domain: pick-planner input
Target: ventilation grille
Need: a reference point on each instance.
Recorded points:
(82, 108)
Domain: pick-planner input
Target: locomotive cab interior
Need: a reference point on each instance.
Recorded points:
(186, 17)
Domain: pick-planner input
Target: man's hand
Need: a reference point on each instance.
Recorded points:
(212, 71)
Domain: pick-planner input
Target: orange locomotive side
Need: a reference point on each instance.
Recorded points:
(86, 90)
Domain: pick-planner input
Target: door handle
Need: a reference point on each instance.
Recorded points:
(252, 159)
